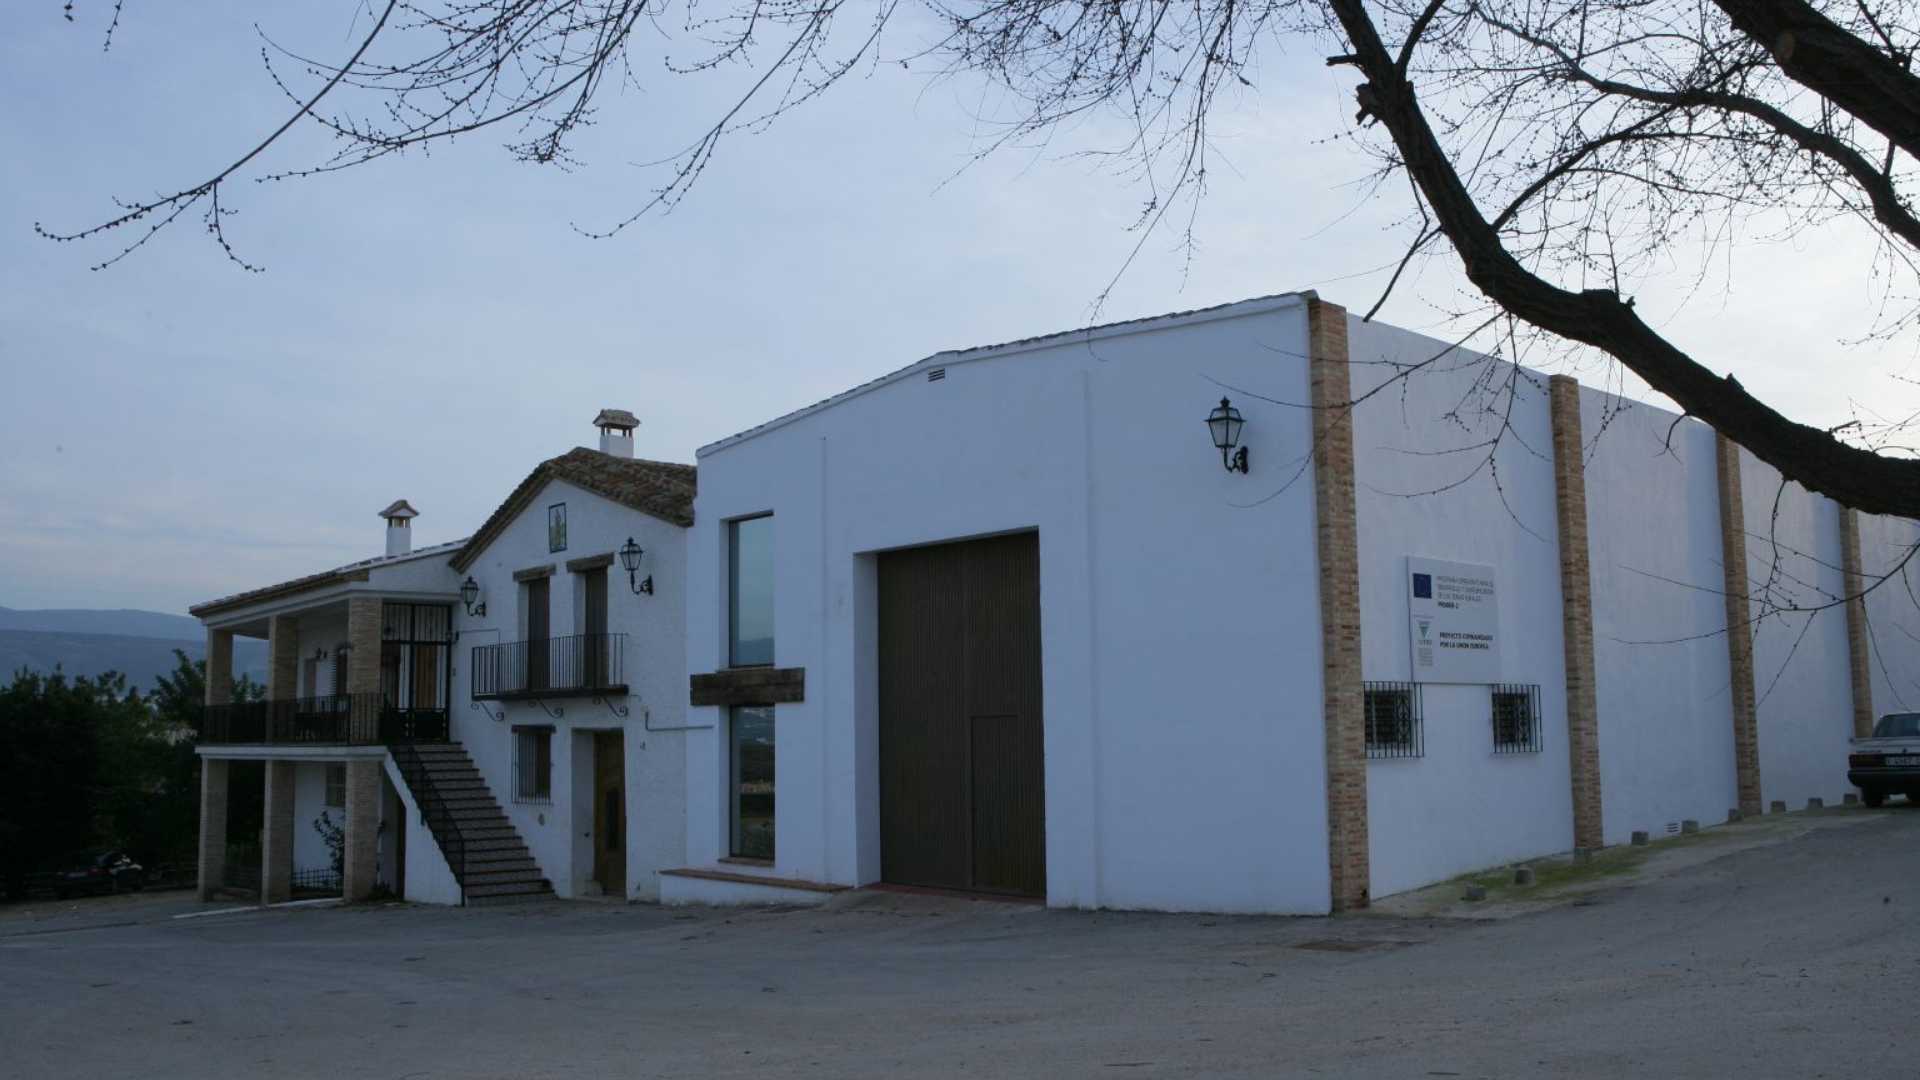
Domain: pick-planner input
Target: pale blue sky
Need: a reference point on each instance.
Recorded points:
(173, 429)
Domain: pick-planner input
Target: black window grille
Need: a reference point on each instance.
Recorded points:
(1394, 729)
(1516, 719)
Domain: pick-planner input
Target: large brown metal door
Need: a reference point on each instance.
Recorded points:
(962, 788)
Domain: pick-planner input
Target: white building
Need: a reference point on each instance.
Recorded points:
(488, 719)
(1001, 621)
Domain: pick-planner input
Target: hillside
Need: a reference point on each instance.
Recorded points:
(138, 644)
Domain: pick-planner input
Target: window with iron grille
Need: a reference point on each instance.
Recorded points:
(1393, 720)
(533, 764)
(1516, 719)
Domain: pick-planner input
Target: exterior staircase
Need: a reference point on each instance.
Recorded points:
(482, 848)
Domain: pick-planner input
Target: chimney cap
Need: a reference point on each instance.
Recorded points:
(400, 511)
(616, 418)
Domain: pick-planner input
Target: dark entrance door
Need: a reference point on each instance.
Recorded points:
(594, 588)
(538, 625)
(610, 812)
(962, 789)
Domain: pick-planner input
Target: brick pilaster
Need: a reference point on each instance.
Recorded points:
(1733, 555)
(283, 658)
(363, 665)
(213, 824)
(276, 834)
(219, 667)
(1336, 543)
(1576, 610)
(361, 867)
(1855, 583)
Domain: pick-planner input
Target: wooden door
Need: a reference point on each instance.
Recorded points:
(595, 647)
(962, 784)
(538, 633)
(610, 812)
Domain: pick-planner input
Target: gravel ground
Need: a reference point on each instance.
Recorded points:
(1796, 958)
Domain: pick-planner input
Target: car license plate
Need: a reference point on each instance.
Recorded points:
(1903, 762)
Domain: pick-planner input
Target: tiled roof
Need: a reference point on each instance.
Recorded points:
(358, 571)
(660, 488)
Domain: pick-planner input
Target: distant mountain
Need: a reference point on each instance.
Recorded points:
(125, 622)
(138, 644)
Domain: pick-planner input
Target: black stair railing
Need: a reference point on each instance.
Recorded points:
(580, 664)
(434, 811)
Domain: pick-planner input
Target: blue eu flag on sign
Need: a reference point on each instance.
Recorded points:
(1423, 586)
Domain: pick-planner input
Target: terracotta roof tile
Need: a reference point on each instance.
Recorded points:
(660, 488)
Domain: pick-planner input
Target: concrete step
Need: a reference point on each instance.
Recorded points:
(477, 879)
(517, 896)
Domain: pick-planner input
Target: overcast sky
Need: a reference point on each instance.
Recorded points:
(173, 429)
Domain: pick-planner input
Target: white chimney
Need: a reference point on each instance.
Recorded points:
(616, 432)
(399, 530)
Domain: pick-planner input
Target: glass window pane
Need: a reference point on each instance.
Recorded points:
(750, 592)
(752, 771)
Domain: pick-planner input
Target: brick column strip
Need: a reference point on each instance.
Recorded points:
(1335, 537)
(1733, 555)
(219, 667)
(1576, 609)
(1857, 663)
(213, 823)
(363, 827)
(283, 658)
(363, 666)
(276, 835)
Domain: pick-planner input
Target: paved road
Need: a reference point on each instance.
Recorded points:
(1797, 960)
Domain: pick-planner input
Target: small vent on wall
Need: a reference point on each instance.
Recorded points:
(936, 374)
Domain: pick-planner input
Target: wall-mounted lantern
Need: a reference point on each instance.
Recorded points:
(470, 592)
(630, 553)
(1224, 423)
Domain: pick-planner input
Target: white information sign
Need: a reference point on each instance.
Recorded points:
(1454, 610)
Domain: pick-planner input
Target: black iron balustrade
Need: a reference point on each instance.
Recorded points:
(434, 811)
(329, 720)
(581, 664)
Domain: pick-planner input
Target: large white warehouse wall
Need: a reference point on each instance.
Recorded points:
(1893, 612)
(1429, 483)
(1185, 764)
(1659, 616)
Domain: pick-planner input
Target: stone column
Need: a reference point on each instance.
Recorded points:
(363, 828)
(1336, 543)
(1855, 583)
(213, 823)
(1733, 555)
(276, 835)
(219, 667)
(1576, 610)
(283, 658)
(363, 666)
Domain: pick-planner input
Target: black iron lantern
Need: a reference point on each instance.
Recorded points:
(630, 553)
(1224, 423)
(470, 592)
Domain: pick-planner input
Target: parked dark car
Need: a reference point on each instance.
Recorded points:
(98, 872)
(1888, 761)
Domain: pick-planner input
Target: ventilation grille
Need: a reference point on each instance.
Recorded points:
(936, 374)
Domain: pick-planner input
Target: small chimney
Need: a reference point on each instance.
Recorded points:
(616, 432)
(399, 529)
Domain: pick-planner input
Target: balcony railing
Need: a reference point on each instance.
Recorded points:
(333, 720)
(555, 667)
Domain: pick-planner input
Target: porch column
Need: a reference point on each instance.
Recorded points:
(1733, 557)
(276, 835)
(363, 667)
(283, 658)
(363, 827)
(219, 667)
(213, 822)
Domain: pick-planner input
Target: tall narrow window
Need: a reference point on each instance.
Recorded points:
(337, 785)
(751, 754)
(532, 764)
(750, 591)
(536, 595)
